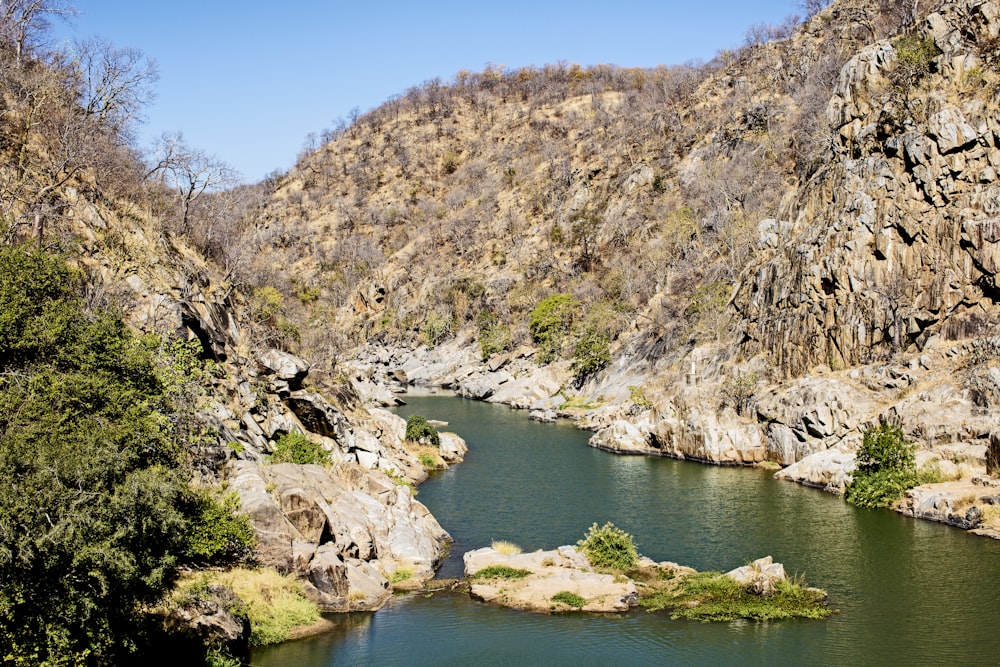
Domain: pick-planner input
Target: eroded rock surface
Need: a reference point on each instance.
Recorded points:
(345, 531)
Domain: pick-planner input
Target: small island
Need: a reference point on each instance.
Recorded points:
(604, 573)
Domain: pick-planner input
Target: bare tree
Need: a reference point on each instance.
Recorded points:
(23, 23)
(189, 172)
(114, 84)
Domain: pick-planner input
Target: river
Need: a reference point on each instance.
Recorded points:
(909, 592)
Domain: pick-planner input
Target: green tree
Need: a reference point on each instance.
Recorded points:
(551, 321)
(95, 506)
(419, 429)
(886, 468)
(592, 353)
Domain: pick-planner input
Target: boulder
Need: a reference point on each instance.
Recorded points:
(760, 577)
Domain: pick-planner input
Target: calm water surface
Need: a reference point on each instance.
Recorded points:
(909, 592)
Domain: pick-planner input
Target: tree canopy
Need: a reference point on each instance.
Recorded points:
(95, 508)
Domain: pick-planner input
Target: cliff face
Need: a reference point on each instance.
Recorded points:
(892, 242)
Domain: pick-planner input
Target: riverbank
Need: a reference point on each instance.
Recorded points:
(896, 581)
(716, 411)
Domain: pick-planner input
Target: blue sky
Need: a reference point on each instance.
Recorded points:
(248, 80)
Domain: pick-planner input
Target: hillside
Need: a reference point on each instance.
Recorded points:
(753, 259)
(785, 257)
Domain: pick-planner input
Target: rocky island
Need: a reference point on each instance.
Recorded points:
(605, 574)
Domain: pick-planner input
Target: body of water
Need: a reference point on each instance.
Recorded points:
(909, 592)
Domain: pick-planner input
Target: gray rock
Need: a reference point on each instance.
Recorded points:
(761, 577)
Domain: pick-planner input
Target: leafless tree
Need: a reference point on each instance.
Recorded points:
(114, 83)
(189, 172)
(24, 23)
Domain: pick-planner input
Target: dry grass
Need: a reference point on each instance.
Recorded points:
(505, 548)
(274, 603)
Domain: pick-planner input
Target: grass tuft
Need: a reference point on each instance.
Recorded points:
(501, 572)
(505, 548)
(569, 599)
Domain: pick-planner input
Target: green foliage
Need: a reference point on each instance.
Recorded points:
(494, 336)
(437, 328)
(95, 480)
(308, 295)
(218, 533)
(886, 468)
(266, 303)
(638, 396)
(427, 461)
(711, 596)
(295, 447)
(501, 572)
(884, 447)
(550, 322)
(569, 599)
(419, 430)
(609, 548)
(914, 55)
(401, 574)
(592, 353)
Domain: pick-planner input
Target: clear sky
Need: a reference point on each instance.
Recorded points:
(248, 80)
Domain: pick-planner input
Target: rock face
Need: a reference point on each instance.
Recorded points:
(344, 533)
(894, 240)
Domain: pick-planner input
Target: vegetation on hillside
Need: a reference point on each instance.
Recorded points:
(97, 512)
(460, 206)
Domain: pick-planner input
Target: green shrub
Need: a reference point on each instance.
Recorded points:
(494, 336)
(436, 329)
(550, 322)
(884, 447)
(294, 447)
(638, 396)
(427, 461)
(218, 534)
(885, 468)
(418, 430)
(609, 548)
(94, 506)
(400, 575)
(569, 599)
(592, 353)
(501, 572)
(880, 489)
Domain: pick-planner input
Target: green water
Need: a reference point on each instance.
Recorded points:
(909, 592)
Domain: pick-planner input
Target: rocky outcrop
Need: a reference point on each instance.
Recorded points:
(209, 618)
(345, 530)
(511, 378)
(893, 241)
(563, 580)
(971, 505)
(562, 570)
